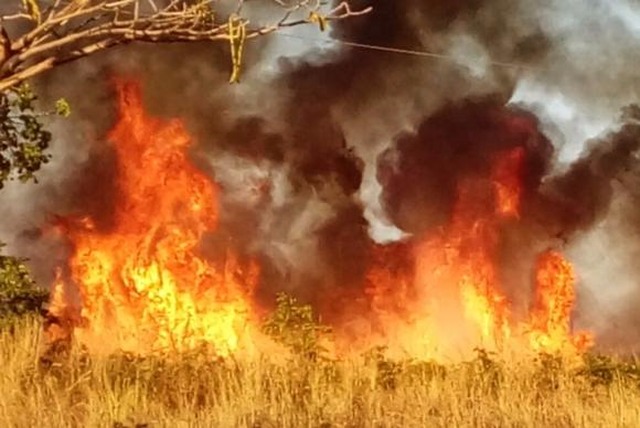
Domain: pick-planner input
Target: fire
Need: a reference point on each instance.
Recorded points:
(465, 251)
(456, 301)
(506, 180)
(553, 303)
(142, 284)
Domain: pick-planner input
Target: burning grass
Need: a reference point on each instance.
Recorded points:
(194, 390)
(142, 277)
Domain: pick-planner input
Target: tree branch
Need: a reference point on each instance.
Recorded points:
(61, 31)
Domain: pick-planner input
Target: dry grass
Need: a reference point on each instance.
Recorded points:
(195, 392)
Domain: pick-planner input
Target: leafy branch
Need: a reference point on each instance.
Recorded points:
(23, 137)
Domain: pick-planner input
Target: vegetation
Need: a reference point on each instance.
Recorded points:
(19, 295)
(38, 35)
(192, 390)
(23, 137)
(23, 144)
(294, 326)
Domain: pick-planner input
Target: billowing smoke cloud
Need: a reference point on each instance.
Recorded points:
(325, 149)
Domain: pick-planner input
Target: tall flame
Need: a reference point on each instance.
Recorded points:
(142, 284)
(461, 257)
(456, 302)
(553, 303)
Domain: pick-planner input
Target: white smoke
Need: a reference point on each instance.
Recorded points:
(579, 91)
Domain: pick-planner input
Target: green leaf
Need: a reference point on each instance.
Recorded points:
(63, 108)
(19, 295)
(24, 140)
(294, 326)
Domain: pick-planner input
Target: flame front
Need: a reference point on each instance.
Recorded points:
(456, 302)
(142, 284)
(457, 266)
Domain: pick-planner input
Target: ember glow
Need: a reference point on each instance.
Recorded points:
(142, 285)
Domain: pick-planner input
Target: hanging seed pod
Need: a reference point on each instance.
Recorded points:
(319, 19)
(237, 37)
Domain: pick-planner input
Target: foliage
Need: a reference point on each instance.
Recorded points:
(23, 150)
(293, 325)
(23, 138)
(19, 294)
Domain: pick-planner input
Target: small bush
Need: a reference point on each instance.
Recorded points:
(294, 325)
(19, 295)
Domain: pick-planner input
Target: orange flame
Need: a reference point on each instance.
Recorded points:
(553, 303)
(142, 284)
(460, 260)
(457, 302)
(506, 180)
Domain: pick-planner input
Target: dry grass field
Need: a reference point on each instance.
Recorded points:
(192, 391)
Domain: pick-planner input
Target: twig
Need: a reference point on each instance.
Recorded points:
(71, 29)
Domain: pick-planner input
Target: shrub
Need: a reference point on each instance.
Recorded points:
(294, 325)
(19, 295)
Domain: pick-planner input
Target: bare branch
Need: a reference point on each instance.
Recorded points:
(46, 33)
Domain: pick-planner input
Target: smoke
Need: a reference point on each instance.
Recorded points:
(325, 150)
(587, 77)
